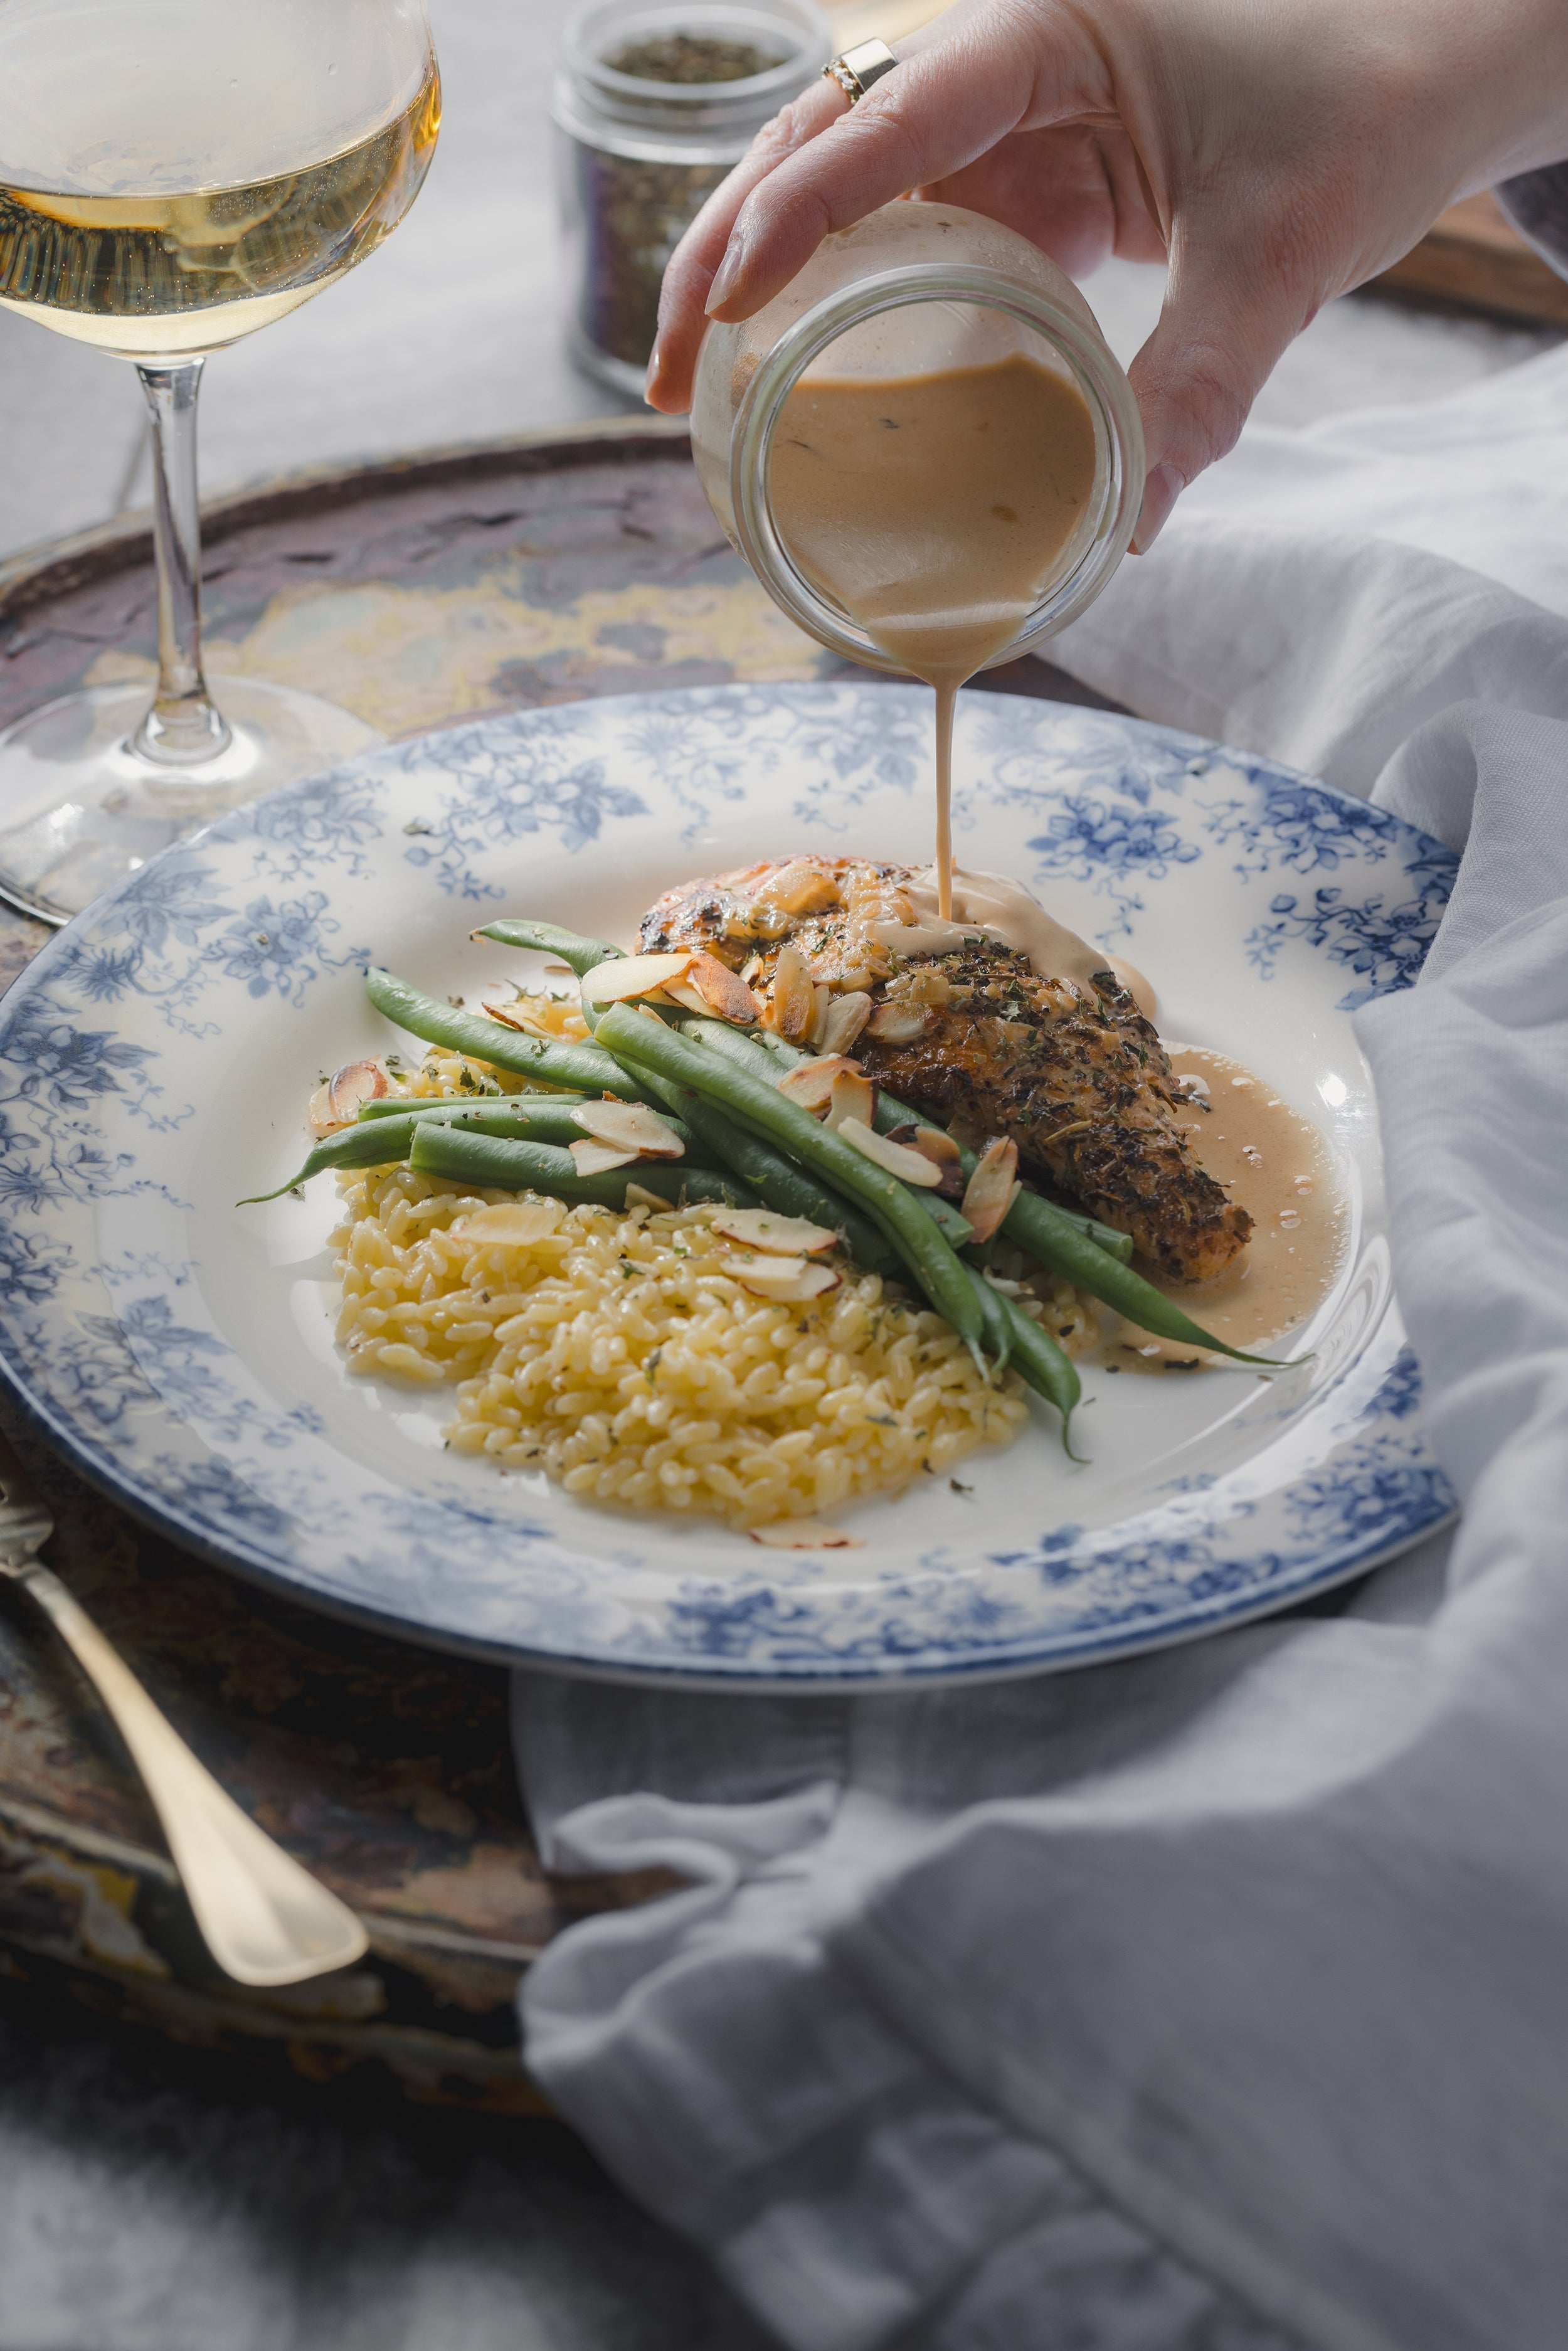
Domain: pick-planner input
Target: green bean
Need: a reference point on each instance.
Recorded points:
(891, 1113)
(1091, 1255)
(787, 1190)
(1066, 1252)
(585, 1067)
(1057, 1238)
(382, 1142)
(761, 1106)
(1049, 1372)
(496, 1164)
(739, 1047)
(757, 1049)
(479, 1106)
(950, 1222)
(547, 938)
(999, 1337)
(382, 1146)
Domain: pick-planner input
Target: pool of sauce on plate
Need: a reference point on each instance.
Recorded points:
(1278, 1167)
(934, 508)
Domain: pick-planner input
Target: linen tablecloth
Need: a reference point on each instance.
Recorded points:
(1216, 2000)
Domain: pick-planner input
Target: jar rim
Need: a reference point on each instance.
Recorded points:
(777, 373)
(799, 22)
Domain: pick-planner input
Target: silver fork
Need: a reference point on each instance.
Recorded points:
(264, 1918)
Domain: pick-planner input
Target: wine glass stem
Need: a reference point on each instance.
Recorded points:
(182, 728)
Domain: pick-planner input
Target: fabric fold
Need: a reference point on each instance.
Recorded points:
(1214, 2000)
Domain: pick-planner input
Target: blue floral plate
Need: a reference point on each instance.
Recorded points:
(154, 1058)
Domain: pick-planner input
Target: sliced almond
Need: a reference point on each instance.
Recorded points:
(794, 997)
(514, 1224)
(336, 1103)
(845, 1018)
(759, 1228)
(802, 887)
(992, 1188)
(942, 1152)
(724, 993)
(631, 1127)
(810, 1084)
(854, 1096)
(512, 1016)
(790, 1280)
(805, 1534)
(598, 1158)
(897, 1158)
(897, 1024)
(681, 992)
(628, 976)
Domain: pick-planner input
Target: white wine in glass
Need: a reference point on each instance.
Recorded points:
(174, 174)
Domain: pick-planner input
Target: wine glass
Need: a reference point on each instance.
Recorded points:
(174, 174)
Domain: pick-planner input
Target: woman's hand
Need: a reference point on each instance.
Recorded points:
(1275, 153)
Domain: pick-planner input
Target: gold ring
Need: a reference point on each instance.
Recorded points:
(858, 68)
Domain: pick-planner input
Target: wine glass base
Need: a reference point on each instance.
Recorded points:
(79, 809)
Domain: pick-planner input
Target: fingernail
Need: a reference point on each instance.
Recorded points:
(1160, 491)
(729, 270)
(651, 381)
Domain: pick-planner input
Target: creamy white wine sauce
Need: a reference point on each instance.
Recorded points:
(1278, 1166)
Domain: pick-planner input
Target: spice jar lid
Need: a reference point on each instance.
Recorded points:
(655, 117)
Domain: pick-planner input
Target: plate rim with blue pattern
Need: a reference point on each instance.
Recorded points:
(143, 1325)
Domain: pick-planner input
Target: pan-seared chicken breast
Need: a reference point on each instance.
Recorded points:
(974, 1037)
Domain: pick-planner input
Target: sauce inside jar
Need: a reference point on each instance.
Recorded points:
(935, 509)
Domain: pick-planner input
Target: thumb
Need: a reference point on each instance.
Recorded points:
(1226, 320)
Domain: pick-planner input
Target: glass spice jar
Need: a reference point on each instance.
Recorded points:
(653, 106)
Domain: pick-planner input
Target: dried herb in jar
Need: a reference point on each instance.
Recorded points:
(634, 212)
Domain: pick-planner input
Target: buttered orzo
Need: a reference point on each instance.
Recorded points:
(620, 1351)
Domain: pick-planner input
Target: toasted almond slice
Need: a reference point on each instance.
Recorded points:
(802, 887)
(909, 1167)
(334, 1103)
(759, 1228)
(627, 976)
(854, 1096)
(992, 1188)
(514, 1224)
(845, 1018)
(805, 1534)
(790, 1280)
(631, 1127)
(598, 1158)
(724, 993)
(897, 1024)
(510, 1016)
(810, 1084)
(794, 998)
(942, 1152)
(682, 992)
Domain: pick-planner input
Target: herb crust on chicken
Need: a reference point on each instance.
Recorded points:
(974, 1037)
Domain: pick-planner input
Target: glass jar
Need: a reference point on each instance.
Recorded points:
(914, 290)
(653, 105)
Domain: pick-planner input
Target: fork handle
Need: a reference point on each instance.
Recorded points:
(264, 1918)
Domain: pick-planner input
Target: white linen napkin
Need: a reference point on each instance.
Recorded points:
(1217, 2000)
(1323, 592)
